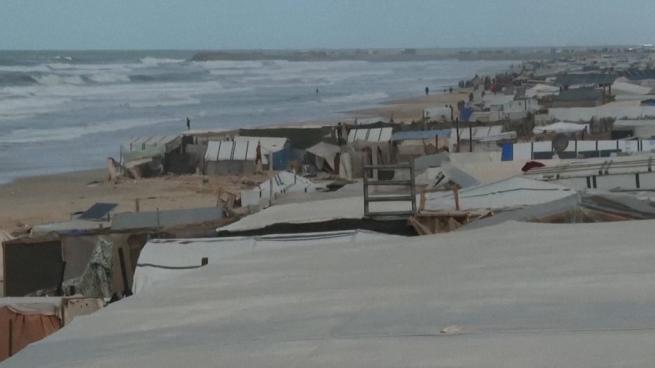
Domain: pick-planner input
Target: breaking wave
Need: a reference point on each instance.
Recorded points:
(29, 135)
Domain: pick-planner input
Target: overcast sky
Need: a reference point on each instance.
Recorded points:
(242, 24)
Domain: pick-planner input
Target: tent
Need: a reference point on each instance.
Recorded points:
(325, 155)
(511, 295)
(561, 127)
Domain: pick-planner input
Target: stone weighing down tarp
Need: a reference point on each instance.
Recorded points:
(513, 295)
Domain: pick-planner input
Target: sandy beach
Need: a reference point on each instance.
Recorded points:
(36, 200)
(411, 109)
(42, 199)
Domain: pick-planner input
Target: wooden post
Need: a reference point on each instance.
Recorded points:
(470, 138)
(121, 258)
(11, 337)
(270, 191)
(456, 194)
(421, 206)
(137, 206)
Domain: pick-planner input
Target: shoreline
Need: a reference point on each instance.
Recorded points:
(37, 199)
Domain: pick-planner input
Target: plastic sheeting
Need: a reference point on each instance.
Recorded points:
(20, 327)
(96, 281)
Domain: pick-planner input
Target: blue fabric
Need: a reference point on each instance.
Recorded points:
(508, 152)
(465, 114)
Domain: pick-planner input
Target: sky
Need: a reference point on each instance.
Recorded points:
(297, 24)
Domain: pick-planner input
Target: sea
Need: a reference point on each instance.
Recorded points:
(63, 111)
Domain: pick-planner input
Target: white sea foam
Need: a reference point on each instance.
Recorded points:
(109, 77)
(153, 61)
(29, 135)
(54, 79)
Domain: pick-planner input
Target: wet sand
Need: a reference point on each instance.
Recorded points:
(41, 199)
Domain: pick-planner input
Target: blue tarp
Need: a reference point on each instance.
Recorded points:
(419, 134)
(508, 152)
(465, 114)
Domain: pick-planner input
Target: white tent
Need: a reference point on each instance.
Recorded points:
(510, 295)
(326, 152)
(560, 127)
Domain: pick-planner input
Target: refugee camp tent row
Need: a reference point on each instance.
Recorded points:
(544, 150)
(238, 156)
(628, 173)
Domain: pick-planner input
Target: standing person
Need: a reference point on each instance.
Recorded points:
(339, 134)
(317, 92)
(188, 123)
(258, 153)
(427, 90)
(258, 158)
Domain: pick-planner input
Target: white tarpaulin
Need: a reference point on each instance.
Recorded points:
(511, 295)
(327, 152)
(561, 127)
(164, 259)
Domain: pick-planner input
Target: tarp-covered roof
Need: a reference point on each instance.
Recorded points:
(370, 135)
(511, 295)
(585, 79)
(560, 127)
(419, 134)
(165, 219)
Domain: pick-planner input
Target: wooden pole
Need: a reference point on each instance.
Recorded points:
(137, 206)
(456, 194)
(11, 337)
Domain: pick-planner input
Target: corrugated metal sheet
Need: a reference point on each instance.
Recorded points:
(244, 148)
(164, 219)
(370, 135)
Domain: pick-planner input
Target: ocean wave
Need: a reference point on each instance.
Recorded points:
(30, 135)
(108, 78)
(148, 60)
(356, 98)
(16, 79)
(29, 106)
(55, 79)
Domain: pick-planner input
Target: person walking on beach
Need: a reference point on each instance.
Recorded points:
(339, 134)
(188, 123)
(258, 153)
(427, 91)
(317, 92)
(258, 157)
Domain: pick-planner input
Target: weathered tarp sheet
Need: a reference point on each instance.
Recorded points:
(20, 327)
(511, 296)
